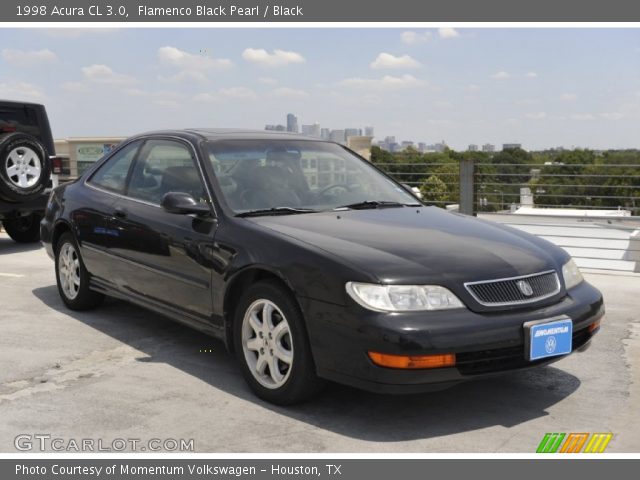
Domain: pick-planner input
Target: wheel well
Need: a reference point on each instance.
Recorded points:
(57, 233)
(238, 286)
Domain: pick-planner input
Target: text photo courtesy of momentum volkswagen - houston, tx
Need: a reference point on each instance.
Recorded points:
(321, 243)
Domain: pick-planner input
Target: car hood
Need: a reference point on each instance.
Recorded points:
(419, 245)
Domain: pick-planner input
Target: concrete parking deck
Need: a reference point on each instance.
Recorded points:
(122, 372)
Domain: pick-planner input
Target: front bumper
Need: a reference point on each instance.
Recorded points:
(484, 343)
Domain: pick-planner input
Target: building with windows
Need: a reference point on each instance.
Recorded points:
(352, 132)
(338, 136)
(292, 123)
(511, 146)
(487, 147)
(312, 130)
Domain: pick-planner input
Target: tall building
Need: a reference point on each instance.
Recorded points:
(422, 147)
(368, 132)
(390, 140)
(383, 145)
(292, 123)
(438, 147)
(312, 130)
(325, 133)
(351, 132)
(472, 147)
(337, 136)
(487, 147)
(511, 146)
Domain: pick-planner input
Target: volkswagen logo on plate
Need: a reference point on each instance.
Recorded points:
(525, 288)
(550, 344)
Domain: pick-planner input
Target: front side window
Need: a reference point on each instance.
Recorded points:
(165, 166)
(112, 175)
(264, 174)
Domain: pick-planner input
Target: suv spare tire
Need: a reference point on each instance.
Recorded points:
(24, 167)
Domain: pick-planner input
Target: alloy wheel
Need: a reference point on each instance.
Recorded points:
(69, 271)
(267, 344)
(23, 167)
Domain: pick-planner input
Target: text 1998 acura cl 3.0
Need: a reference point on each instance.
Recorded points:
(311, 264)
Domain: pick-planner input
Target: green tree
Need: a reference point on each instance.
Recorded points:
(435, 191)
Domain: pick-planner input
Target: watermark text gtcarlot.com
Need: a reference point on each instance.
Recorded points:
(28, 442)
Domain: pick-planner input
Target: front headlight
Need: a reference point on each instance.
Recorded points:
(402, 298)
(571, 274)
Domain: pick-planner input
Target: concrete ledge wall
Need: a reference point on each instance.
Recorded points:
(595, 243)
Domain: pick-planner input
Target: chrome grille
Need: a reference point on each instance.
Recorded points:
(507, 291)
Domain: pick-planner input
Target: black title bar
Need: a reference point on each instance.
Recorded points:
(22, 11)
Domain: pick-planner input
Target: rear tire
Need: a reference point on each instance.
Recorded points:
(272, 345)
(72, 277)
(23, 229)
(24, 167)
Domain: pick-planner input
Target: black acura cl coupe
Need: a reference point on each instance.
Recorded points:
(312, 265)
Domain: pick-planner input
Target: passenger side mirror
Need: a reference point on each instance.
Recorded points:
(415, 191)
(183, 204)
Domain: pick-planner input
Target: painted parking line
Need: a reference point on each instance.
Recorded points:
(11, 275)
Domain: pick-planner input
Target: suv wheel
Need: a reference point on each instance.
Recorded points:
(23, 229)
(272, 345)
(24, 167)
(72, 276)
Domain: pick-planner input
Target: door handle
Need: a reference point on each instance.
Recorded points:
(120, 213)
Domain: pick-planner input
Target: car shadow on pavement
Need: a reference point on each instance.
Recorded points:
(505, 400)
(8, 246)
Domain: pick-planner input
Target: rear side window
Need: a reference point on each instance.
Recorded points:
(165, 166)
(112, 175)
(19, 119)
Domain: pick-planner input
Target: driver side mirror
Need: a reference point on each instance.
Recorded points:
(183, 204)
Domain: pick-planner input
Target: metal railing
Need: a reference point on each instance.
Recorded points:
(591, 234)
(493, 187)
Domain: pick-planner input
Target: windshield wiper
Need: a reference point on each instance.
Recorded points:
(375, 204)
(275, 211)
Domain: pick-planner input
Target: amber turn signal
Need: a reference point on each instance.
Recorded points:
(594, 327)
(413, 361)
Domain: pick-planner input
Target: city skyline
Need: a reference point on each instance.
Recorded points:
(389, 143)
(540, 87)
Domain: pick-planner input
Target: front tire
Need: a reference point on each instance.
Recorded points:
(72, 277)
(272, 346)
(23, 229)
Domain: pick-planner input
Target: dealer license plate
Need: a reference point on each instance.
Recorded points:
(548, 338)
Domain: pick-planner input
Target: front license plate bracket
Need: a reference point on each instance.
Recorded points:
(550, 337)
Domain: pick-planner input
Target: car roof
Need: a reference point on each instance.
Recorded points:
(232, 134)
(17, 102)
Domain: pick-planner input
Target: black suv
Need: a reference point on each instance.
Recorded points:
(27, 155)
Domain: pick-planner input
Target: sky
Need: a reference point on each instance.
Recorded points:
(569, 87)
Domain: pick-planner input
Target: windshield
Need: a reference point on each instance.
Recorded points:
(298, 174)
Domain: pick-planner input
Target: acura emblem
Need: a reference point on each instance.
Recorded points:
(525, 288)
